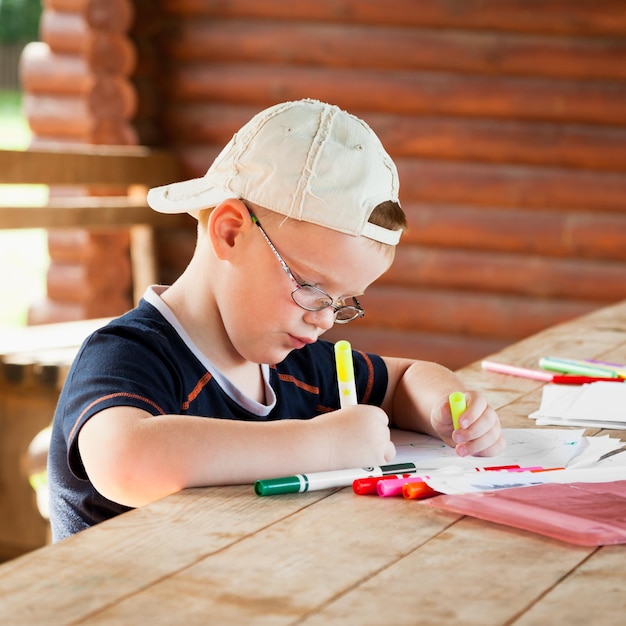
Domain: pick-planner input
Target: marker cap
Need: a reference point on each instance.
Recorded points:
(345, 364)
(417, 491)
(286, 484)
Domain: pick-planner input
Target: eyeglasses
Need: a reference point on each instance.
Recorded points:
(310, 297)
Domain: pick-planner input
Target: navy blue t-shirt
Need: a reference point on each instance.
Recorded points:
(141, 360)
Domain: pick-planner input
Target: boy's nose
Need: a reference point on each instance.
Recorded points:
(322, 319)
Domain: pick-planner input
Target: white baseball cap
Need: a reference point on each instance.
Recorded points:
(307, 160)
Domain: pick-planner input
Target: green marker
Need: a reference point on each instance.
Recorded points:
(571, 366)
(327, 480)
(457, 406)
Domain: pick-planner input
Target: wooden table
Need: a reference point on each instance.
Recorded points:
(226, 556)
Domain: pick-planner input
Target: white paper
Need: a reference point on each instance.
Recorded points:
(595, 405)
(527, 447)
(472, 482)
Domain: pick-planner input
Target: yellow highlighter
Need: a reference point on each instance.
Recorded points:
(457, 406)
(345, 374)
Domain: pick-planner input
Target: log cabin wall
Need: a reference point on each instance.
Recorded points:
(507, 121)
(77, 90)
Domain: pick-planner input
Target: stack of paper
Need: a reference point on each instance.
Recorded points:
(595, 405)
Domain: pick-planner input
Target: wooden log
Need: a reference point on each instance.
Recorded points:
(585, 235)
(511, 186)
(497, 141)
(502, 141)
(114, 15)
(63, 117)
(453, 351)
(102, 51)
(496, 272)
(87, 282)
(509, 317)
(70, 74)
(174, 248)
(390, 48)
(79, 245)
(414, 93)
(547, 16)
(69, 117)
(47, 73)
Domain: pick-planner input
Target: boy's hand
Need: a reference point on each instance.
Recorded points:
(357, 436)
(479, 432)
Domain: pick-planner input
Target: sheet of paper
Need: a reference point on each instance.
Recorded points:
(601, 401)
(596, 405)
(474, 482)
(527, 447)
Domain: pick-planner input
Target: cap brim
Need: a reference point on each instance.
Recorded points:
(188, 196)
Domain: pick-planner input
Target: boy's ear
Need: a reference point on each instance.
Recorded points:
(226, 222)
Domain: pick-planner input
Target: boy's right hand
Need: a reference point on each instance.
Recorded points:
(357, 436)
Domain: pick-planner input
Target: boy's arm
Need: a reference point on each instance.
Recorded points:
(133, 458)
(417, 399)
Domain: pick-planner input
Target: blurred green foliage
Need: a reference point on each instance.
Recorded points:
(19, 20)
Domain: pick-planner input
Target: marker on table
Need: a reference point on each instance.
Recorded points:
(513, 370)
(327, 480)
(391, 488)
(457, 406)
(345, 374)
(368, 486)
(418, 491)
(571, 366)
(394, 487)
(618, 368)
(548, 377)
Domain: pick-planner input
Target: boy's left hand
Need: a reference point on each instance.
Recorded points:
(479, 432)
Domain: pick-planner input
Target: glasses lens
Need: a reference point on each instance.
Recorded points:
(349, 312)
(311, 298)
(346, 314)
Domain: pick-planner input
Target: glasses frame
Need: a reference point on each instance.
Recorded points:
(358, 310)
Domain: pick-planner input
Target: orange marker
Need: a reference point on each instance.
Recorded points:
(418, 491)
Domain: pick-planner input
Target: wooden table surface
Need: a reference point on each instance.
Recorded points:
(225, 556)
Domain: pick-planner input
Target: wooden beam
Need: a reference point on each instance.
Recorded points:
(86, 212)
(101, 165)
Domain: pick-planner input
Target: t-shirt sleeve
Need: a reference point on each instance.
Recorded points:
(117, 366)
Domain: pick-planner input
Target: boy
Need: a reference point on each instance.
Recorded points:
(220, 378)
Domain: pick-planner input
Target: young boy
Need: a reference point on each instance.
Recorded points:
(220, 378)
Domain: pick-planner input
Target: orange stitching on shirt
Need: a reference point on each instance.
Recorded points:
(114, 395)
(196, 390)
(288, 378)
(370, 378)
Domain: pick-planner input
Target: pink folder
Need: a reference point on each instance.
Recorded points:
(588, 514)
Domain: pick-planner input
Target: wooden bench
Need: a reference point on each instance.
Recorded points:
(34, 360)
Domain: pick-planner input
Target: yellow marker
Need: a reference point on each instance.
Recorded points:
(345, 373)
(457, 406)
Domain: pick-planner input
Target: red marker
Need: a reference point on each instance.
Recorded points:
(582, 380)
(368, 486)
